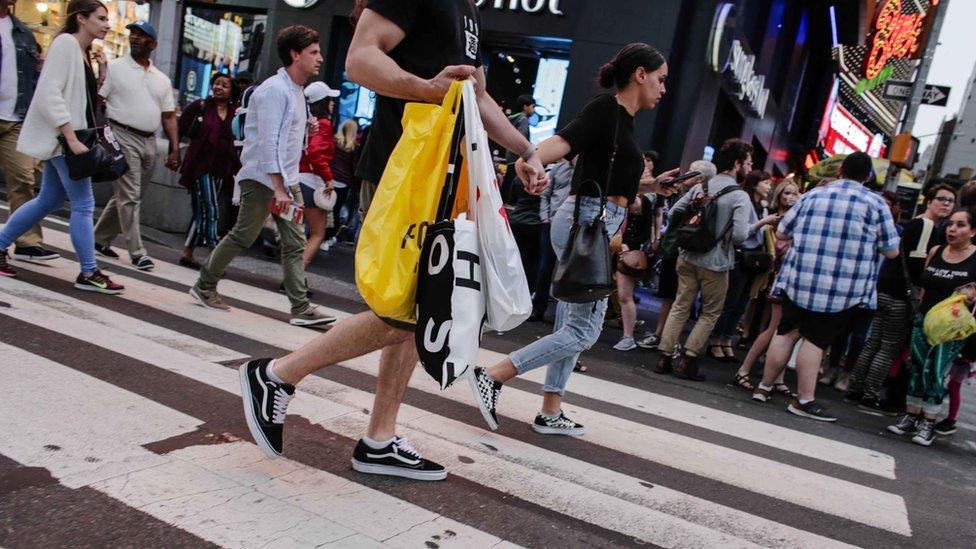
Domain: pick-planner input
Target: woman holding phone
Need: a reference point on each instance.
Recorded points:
(63, 102)
(603, 137)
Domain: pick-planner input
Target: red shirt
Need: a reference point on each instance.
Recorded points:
(318, 156)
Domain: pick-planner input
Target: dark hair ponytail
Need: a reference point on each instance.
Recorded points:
(617, 72)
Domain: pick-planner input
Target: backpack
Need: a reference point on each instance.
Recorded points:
(696, 233)
(240, 116)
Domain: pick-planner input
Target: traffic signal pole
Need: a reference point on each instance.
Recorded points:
(918, 88)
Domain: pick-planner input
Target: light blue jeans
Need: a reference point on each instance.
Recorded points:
(578, 325)
(56, 185)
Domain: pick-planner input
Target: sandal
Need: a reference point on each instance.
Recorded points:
(739, 380)
(782, 389)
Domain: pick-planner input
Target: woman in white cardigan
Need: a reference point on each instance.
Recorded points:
(63, 102)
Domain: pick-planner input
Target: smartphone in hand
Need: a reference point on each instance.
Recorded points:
(683, 177)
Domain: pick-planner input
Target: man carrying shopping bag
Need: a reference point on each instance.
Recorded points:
(406, 50)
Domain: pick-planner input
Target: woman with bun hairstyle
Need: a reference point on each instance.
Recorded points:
(64, 101)
(603, 137)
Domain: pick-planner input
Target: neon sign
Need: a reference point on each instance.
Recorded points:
(895, 35)
(528, 6)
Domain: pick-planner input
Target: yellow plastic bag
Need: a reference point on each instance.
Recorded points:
(949, 320)
(404, 206)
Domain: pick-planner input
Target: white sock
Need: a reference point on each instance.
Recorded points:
(547, 416)
(269, 370)
(378, 444)
(802, 401)
(765, 387)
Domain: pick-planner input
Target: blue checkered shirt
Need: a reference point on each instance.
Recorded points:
(839, 231)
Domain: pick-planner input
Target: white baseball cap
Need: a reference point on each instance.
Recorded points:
(317, 91)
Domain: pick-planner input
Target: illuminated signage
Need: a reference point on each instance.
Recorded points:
(301, 3)
(846, 134)
(528, 6)
(895, 34)
(730, 57)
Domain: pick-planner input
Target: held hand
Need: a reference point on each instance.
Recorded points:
(283, 200)
(173, 161)
(99, 56)
(437, 87)
(772, 219)
(656, 185)
(532, 174)
(313, 126)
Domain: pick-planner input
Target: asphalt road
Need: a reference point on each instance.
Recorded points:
(122, 427)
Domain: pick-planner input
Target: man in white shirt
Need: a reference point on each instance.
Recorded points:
(138, 97)
(19, 67)
(276, 132)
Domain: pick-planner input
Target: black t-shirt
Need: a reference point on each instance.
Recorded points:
(438, 33)
(891, 279)
(940, 278)
(639, 225)
(590, 135)
(91, 89)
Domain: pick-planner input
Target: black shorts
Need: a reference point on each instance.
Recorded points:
(667, 282)
(818, 328)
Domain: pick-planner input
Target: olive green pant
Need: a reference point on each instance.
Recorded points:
(255, 207)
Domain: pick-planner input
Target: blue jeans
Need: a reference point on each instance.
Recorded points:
(736, 301)
(578, 325)
(56, 185)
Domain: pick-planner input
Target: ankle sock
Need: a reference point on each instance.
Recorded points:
(765, 387)
(378, 444)
(547, 416)
(269, 370)
(802, 401)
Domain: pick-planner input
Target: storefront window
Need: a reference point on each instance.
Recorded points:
(218, 41)
(46, 18)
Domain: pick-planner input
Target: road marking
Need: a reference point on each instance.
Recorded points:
(228, 494)
(854, 457)
(816, 491)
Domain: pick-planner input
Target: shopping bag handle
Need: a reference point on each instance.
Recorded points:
(453, 176)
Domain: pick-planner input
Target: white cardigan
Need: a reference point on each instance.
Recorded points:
(60, 97)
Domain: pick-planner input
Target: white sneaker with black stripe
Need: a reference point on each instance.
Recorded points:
(558, 425)
(397, 459)
(486, 391)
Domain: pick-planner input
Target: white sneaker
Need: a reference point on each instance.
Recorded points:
(626, 344)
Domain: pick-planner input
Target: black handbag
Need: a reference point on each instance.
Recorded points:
(756, 261)
(584, 273)
(103, 161)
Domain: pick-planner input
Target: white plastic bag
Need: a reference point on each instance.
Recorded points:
(509, 302)
(450, 300)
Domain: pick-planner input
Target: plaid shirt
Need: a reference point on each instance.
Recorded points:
(838, 232)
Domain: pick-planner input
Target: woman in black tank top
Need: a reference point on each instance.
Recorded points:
(948, 268)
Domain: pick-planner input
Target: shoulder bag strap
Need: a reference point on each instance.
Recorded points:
(610, 164)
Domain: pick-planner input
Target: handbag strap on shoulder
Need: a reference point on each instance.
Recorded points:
(613, 158)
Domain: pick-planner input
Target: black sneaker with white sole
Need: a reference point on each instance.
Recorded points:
(34, 253)
(265, 403)
(810, 410)
(559, 425)
(143, 263)
(945, 427)
(486, 391)
(397, 459)
(907, 425)
(106, 251)
(926, 433)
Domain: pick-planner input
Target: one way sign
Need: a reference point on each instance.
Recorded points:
(937, 96)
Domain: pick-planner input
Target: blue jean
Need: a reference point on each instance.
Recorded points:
(56, 185)
(736, 301)
(578, 325)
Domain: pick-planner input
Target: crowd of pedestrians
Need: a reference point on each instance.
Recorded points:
(762, 265)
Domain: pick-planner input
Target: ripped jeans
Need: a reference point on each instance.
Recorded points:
(578, 325)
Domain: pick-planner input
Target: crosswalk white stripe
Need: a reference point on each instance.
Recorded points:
(35, 295)
(781, 481)
(847, 455)
(824, 449)
(539, 488)
(228, 494)
(320, 413)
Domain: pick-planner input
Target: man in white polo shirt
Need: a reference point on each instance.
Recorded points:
(137, 98)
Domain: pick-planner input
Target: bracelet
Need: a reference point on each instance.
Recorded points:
(527, 154)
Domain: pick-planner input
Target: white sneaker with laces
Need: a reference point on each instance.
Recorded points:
(626, 343)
